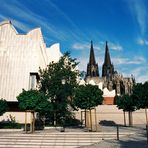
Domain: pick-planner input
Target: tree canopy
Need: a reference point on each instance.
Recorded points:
(127, 102)
(58, 82)
(33, 100)
(88, 96)
(51, 78)
(3, 106)
(141, 92)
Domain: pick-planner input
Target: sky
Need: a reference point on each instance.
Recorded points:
(74, 23)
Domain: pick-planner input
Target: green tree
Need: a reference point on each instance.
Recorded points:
(58, 81)
(88, 97)
(141, 92)
(33, 101)
(129, 104)
(3, 106)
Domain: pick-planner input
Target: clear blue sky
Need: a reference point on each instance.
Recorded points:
(74, 23)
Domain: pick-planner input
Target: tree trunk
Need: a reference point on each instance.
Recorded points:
(124, 118)
(130, 118)
(96, 120)
(25, 122)
(33, 123)
(81, 118)
(54, 122)
(85, 117)
(90, 120)
(146, 116)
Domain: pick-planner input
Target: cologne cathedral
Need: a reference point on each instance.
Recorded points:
(110, 78)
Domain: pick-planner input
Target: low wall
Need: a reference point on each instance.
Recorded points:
(18, 116)
(108, 113)
(111, 114)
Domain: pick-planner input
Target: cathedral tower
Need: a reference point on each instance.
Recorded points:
(108, 68)
(92, 66)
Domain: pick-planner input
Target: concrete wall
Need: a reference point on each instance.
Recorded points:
(112, 113)
(18, 116)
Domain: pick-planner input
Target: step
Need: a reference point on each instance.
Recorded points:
(55, 140)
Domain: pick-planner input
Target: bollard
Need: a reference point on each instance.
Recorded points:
(117, 132)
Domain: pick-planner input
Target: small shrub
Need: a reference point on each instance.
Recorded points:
(10, 125)
(72, 122)
(107, 123)
(39, 125)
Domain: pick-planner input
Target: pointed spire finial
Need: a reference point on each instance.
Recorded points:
(92, 56)
(92, 67)
(91, 44)
(108, 68)
(91, 47)
(107, 56)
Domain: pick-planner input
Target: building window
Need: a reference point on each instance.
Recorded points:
(33, 80)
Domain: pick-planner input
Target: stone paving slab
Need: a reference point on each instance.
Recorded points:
(53, 139)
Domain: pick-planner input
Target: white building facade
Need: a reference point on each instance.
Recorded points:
(21, 55)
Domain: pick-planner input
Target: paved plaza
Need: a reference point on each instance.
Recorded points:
(71, 138)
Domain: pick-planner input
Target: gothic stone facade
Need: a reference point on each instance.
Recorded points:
(110, 78)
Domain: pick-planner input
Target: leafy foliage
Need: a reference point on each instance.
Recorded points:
(10, 125)
(88, 96)
(58, 81)
(141, 92)
(3, 106)
(33, 100)
(127, 102)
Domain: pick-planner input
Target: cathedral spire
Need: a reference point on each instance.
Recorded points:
(92, 67)
(92, 55)
(108, 68)
(107, 60)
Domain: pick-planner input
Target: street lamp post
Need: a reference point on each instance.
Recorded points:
(63, 116)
